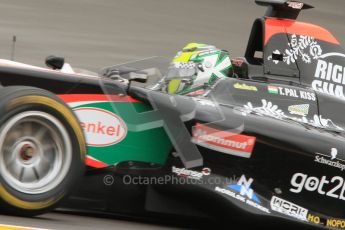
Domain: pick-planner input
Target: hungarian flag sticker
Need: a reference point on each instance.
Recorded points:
(273, 89)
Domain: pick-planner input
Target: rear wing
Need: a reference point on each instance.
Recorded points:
(283, 8)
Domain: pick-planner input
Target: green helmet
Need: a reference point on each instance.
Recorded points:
(196, 68)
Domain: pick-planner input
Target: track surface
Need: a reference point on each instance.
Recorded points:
(92, 34)
(60, 221)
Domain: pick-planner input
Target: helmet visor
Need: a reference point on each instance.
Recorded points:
(175, 77)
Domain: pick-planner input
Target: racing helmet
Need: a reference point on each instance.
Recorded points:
(196, 68)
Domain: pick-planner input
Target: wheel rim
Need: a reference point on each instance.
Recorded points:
(35, 152)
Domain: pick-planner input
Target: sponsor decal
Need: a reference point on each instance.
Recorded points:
(335, 223)
(330, 78)
(332, 187)
(295, 5)
(245, 87)
(301, 110)
(314, 219)
(243, 192)
(288, 92)
(190, 174)
(223, 141)
(101, 127)
(267, 109)
(288, 208)
(327, 222)
(272, 110)
(330, 160)
(304, 48)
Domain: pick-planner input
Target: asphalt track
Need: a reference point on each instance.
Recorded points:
(95, 33)
(63, 221)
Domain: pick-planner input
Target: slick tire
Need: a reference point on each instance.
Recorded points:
(42, 150)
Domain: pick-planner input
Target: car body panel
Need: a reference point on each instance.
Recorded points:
(270, 139)
(109, 137)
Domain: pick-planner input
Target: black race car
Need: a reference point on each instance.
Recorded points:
(265, 144)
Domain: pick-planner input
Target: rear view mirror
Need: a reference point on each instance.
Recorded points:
(138, 77)
(55, 62)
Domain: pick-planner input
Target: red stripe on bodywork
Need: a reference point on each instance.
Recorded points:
(68, 98)
(278, 26)
(95, 163)
(224, 139)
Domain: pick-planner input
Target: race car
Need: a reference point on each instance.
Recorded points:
(261, 138)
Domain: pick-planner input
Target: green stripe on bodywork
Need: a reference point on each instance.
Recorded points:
(152, 146)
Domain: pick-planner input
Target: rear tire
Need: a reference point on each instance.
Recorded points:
(42, 150)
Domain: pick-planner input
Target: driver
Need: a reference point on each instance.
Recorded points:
(196, 68)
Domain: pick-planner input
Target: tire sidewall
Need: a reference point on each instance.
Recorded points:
(15, 100)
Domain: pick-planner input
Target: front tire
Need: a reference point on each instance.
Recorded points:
(42, 150)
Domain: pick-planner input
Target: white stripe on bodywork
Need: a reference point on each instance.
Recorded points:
(79, 103)
(332, 55)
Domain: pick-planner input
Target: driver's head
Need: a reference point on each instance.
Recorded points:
(197, 67)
